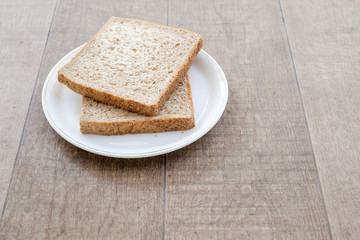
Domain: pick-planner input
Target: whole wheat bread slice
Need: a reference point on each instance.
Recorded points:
(132, 64)
(177, 114)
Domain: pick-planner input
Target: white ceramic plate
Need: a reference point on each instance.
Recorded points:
(209, 89)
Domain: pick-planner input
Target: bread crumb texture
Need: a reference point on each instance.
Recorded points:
(132, 59)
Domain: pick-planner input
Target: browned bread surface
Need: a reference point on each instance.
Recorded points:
(177, 114)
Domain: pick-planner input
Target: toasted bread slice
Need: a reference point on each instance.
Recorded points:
(132, 64)
(177, 114)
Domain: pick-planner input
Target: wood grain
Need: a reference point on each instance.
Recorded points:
(22, 41)
(253, 176)
(60, 191)
(324, 37)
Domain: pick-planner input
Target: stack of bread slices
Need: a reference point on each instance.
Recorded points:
(133, 76)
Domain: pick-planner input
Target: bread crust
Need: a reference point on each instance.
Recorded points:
(190, 99)
(133, 127)
(177, 78)
(148, 125)
(128, 104)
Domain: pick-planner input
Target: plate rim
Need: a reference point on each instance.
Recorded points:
(101, 152)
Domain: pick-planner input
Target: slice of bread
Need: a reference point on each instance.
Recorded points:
(177, 114)
(132, 64)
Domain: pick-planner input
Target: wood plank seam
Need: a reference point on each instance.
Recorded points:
(303, 108)
(167, 12)
(164, 181)
(27, 114)
(164, 200)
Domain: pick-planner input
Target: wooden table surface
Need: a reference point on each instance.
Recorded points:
(283, 162)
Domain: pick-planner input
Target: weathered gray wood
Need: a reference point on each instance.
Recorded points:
(254, 175)
(324, 36)
(60, 191)
(22, 41)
